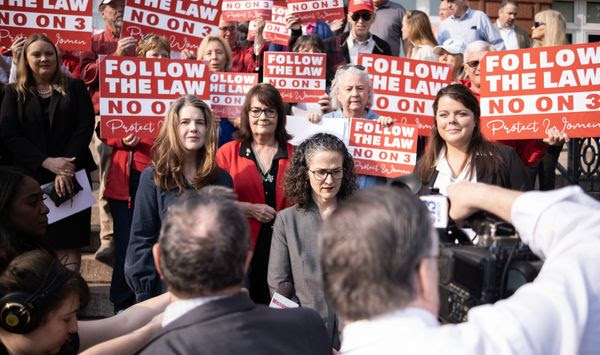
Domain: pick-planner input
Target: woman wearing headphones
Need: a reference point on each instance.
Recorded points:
(39, 300)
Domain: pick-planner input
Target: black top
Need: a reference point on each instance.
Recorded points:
(69, 348)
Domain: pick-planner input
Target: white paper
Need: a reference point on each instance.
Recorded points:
(281, 302)
(301, 128)
(81, 201)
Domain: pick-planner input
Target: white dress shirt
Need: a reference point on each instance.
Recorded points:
(509, 36)
(445, 174)
(179, 308)
(355, 46)
(558, 313)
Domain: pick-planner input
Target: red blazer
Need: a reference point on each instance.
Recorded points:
(247, 182)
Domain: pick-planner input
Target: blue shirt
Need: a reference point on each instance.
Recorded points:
(474, 25)
(364, 181)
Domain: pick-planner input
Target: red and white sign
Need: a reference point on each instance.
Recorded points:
(246, 10)
(135, 93)
(524, 93)
(228, 91)
(317, 10)
(68, 24)
(276, 30)
(405, 88)
(382, 151)
(182, 23)
(299, 77)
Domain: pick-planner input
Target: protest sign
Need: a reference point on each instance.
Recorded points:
(68, 24)
(317, 10)
(246, 10)
(135, 93)
(300, 128)
(405, 88)
(299, 77)
(524, 93)
(276, 30)
(382, 151)
(228, 90)
(182, 23)
(278, 301)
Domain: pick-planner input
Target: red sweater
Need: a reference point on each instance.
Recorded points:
(122, 159)
(247, 182)
(531, 151)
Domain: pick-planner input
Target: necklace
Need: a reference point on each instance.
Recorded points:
(44, 92)
(263, 169)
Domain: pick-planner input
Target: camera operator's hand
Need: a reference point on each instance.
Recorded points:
(467, 198)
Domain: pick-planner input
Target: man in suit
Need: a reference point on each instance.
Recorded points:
(202, 255)
(514, 36)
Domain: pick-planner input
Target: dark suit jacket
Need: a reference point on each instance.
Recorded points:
(512, 175)
(67, 134)
(235, 325)
(381, 46)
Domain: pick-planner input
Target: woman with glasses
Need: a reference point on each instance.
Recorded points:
(451, 52)
(416, 30)
(320, 175)
(183, 158)
(458, 151)
(550, 29)
(257, 160)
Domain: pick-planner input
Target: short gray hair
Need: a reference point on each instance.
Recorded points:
(369, 250)
(204, 242)
(476, 47)
(335, 84)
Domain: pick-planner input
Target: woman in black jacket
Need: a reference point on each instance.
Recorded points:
(46, 123)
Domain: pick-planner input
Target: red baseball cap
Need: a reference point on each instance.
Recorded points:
(361, 5)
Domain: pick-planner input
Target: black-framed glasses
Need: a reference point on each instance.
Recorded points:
(473, 63)
(228, 28)
(537, 24)
(321, 174)
(269, 112)
(366, 16)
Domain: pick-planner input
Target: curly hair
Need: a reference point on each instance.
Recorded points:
(150, 42)
(297, 185)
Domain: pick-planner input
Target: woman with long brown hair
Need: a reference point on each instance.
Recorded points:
(458, 151)
(47, 122)
(416, 30)
(183, 159)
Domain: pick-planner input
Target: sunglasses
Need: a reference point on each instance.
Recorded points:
(228, 28)
(348, 66)
(473, 63)
(537, 24)
(366, 16)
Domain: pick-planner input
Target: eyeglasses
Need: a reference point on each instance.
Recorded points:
(321, 174)
(269, 112)
(366, 16)
(537, 24)
(473, 63)
(348, 66)
(228, 28)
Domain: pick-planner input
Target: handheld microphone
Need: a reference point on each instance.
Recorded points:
(438, 207)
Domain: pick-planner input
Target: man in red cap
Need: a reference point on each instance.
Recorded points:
(361, 16)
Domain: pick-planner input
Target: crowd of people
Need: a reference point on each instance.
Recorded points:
(206, 222)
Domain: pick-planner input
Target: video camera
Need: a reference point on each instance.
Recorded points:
(474, 273)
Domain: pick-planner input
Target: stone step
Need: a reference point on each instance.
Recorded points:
(94, 271)
(99, 305)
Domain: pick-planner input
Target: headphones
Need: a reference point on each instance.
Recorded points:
(20, 311)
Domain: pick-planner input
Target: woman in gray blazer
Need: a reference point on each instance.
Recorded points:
(320, 174)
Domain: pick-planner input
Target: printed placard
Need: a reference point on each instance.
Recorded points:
(276, 30)
(300, 77)
(182, 23)
(228, 91)
(382, 151)
(317, 10)
(135, 93)
(246, 10)
(525, 93)
(405, 88)
(68, 24)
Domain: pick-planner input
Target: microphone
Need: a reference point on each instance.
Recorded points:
(286, 289)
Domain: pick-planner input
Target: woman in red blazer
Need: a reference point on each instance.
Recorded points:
(257, 160)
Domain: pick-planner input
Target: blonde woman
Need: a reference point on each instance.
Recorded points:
(183, 159)
(416, 30)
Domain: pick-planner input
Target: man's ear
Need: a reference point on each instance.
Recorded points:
(156, 256)
(427, 284)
